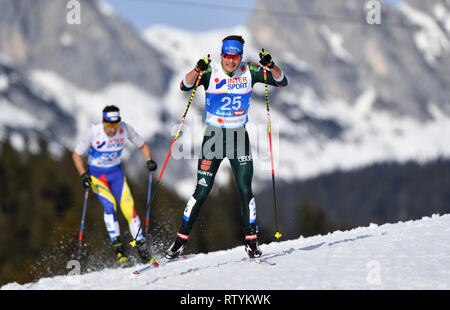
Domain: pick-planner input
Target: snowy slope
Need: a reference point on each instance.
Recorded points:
(405, 255)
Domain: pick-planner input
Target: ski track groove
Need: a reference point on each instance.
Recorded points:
(270, 256)
(196, 269)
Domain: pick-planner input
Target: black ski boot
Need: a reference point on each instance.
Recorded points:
(144, 252)
(121, 255)
(177, 247)
(251, 243)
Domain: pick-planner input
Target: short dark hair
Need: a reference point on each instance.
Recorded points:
(111, 108)
(234, 37)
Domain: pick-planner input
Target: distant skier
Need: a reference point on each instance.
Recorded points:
(104, 143)
(228, 87)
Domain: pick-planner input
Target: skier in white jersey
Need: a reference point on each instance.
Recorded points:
(104, 143)
(228, 87)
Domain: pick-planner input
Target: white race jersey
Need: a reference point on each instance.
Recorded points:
(104, 151)
(228, 98)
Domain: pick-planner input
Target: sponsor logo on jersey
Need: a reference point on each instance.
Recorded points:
(219, 84)
(202, 182)
(205, 165)
(100, 145)
(187, 214)
(252, 209)
(239, 112)
(233, 83)
(116, 142)
(244, 159)
(237, 83)
(205, 173)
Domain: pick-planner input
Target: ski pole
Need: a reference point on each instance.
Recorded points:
(80, 235)
(149, 191)
(277, 234)
(133, 243)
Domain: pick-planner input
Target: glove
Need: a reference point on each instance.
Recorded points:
(266, 59)
(151, 165)
(203, 64)
(86, 180)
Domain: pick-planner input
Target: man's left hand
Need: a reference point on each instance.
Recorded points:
(151, 165)
(266, 59)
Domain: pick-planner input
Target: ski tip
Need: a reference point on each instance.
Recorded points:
(133, 243)
(278, 235)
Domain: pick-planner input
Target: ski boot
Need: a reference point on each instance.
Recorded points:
(177, 247)
(251, 243)
(121, 255)
(144, 252)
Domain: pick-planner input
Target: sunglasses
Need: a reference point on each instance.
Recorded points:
(112, 125)
(231, 56)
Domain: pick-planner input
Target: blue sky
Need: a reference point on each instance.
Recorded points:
(195, 15)
(192, 15)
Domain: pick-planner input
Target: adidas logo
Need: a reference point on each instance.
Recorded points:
(202, 182)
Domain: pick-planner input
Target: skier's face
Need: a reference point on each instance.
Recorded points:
(110, 129)
(230, 62)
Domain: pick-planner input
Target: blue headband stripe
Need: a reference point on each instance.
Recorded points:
(232, 47)
(111, 117)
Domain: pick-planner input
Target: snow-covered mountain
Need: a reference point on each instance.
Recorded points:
(362, 93)
(358, 93)
(406, 255)
(96, 52)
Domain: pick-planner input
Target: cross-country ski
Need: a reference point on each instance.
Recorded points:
(161, 262)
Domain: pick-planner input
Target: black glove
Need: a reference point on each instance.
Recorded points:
(203, 64)
(86, 180)
(151, 165)
(266, 59)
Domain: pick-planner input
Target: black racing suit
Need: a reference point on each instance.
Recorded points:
(234, 144)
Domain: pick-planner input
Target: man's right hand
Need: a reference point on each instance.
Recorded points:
(86, 180)
(203, 64)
